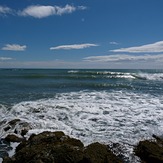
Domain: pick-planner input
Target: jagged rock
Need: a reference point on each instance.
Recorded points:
(150, 151)
(57, 147)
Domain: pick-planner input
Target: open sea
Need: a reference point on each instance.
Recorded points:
(123, 106)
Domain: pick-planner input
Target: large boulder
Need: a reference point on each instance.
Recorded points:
(56, 147)
(150, 151)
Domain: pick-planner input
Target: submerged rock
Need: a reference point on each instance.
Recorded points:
(59, 148)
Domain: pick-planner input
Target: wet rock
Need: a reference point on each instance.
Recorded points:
(99, 153)
(150, 151)
(13, 122)
(60, 148)
(7, 128)
(13, 138)
(24, 132)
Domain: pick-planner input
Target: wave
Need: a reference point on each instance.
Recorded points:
(120, 75)
(149, 76)
(82, 75)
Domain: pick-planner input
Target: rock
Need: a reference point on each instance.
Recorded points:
(57, 147)
(23, 132)
(13, 138)
(149, 151)
(99, 153)
(13, 122)
(7, 128)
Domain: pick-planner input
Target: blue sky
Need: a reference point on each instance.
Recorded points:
(81, 34)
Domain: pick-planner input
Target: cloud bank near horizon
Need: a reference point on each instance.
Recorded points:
(124, 57)
(5, 58)
(74, 46)
(152, 54)
(156, 47)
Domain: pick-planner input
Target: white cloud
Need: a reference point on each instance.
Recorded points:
(5, 10)
(114, 43)
(149, 48)
(82, 7)
(5, 58)
(125, 57)
(39, 11)
(74, 46)
(14, 47)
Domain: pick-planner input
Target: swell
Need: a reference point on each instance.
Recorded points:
(81, 74)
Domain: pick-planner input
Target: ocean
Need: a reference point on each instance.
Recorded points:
(123, 106)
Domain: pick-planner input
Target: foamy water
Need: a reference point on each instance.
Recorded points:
(94, 116)
(92, 105)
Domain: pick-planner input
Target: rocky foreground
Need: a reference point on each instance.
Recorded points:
(56, 147)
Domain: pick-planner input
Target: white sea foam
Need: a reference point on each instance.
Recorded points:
(149, 76)
(95, 116)
(73, 71)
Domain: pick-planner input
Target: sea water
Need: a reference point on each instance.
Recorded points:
(123, 106)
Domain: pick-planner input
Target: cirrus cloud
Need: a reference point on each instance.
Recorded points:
(14, 47)
(40, 11)
(74, 46)
(149, 48)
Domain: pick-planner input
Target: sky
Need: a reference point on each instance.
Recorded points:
(107, 34)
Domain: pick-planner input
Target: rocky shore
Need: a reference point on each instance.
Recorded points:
(57, 147)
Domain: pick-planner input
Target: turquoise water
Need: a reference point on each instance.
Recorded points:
(122, 106)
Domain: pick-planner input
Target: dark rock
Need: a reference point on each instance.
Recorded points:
(57, 147)
(13, 138)
(13, 122)
(150, 151)
(99, 153)
(23, 132)
(158, 139)
(7, 128)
